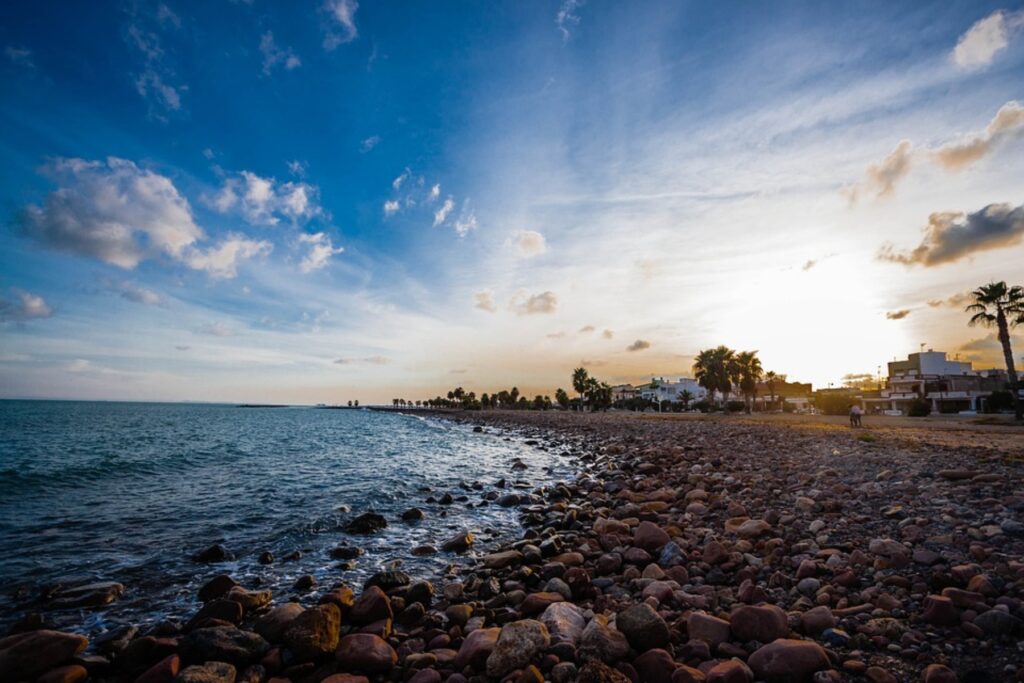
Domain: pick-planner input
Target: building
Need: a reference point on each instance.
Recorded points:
(661, 389)
(951, 386)
(795, 395)
(623, 392)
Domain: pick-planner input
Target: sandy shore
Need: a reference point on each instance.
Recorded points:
(687, 549)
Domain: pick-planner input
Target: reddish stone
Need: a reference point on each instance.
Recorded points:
(763, 623)
(73, 673)
(732, 671)
(163, 671)
(366, 652)
(788, 660)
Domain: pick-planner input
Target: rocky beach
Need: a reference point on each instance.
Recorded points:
(724, 550)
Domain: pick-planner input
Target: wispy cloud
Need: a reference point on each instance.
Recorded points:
(1007, 122)
(484, 300)
(639, 345)
(25, 306)
(156, 81)
(466, 222)
(19, 55)
(342, 17)
(396, 184)
(528, 243)
(369, 143)
(951, 236)
(808, 264)
(958, 300)
(216, 328)
(368, 360)
(986, 38)
(222, 260)
(881, 178)
(586, 329)
(543, 303)
(321, 249)
(441, 215)
(132, 291)
(567, 17)
(391, 207)
(274, 55)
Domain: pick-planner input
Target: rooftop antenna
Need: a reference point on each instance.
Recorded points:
(922, 346)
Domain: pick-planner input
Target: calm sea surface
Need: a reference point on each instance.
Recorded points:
(128, 492)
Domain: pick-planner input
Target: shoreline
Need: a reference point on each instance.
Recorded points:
(660, 561)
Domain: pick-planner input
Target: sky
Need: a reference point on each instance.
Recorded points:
(332, 200)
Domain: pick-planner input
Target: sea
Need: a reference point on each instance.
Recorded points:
(129, 492)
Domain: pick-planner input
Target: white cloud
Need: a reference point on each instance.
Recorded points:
(297, 168)
(321, 249)
(391, 207)
(986, 38)
(27, 306)
(545, 302)
(484, 300)
(222, 260)
(264, 201)
(466, 222)
(274, 55)
(567, 17)
(113, 211)
(1008, 121)
(369, 143)
(435, 192)
(397, 182)
(441, 215)
(343, 15)
(529, 243)
(150, 83)
(369, 360)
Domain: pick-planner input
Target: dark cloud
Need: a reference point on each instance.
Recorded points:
(25, 306)
(898, 315)
(639, 345)
(951, 236)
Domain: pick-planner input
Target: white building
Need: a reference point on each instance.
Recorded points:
(661, 389)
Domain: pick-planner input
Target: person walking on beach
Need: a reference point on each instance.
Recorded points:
(855, 414)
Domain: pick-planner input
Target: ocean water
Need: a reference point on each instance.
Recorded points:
(127, 492)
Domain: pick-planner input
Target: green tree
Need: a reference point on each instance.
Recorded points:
(562, 398)
(580, 378)
(749, 369)
(1000, 306)
(770, 377)
(514, 396)
(485, 400)
(685, 397)
(715, 370)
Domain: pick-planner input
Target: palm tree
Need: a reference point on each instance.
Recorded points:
(580, 379)
(685, 397)
(748, 367)
(998, 305)
(562, 398)
(715, 370)
(770, 377)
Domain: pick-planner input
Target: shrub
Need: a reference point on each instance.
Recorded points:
(735, 406)
(999, 401)
(834, 403)
(920, 408)
(702, 406)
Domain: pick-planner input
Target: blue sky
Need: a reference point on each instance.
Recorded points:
(331, 200)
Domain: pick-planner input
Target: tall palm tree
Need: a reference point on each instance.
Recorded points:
(580, 382)
(715, 370)
(749, 370)
(770, 378)
(1001, 306)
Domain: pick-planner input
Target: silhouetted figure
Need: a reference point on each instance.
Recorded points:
(855, 416)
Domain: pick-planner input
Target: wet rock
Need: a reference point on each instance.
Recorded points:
(211, 554)
(650, 537)
(459, 543)
(425, 676)
(219, 610)
(508, 558)
(345, 678)
(163, 671)
(365, 652)
(273, 624)
(223, 644)
(938, 673)
(210, 672)
(389, 580)
(707, 628)
(595, 671)
(266, 557)
(366, 523)
(763, 623)
(217, 587)
(26, 655)
(72, 673)
(412, 515)
(535, 603)
(89, 595)
(687, 674)
(518, 643)
(476, 648)
(564, 621)
(373, 605)
(602, 641)
(996, 623)
(788, 660)
(732, 671)
(304, 583)
(249, 600)
(314, 633)
(643, 627)
(655, 666)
